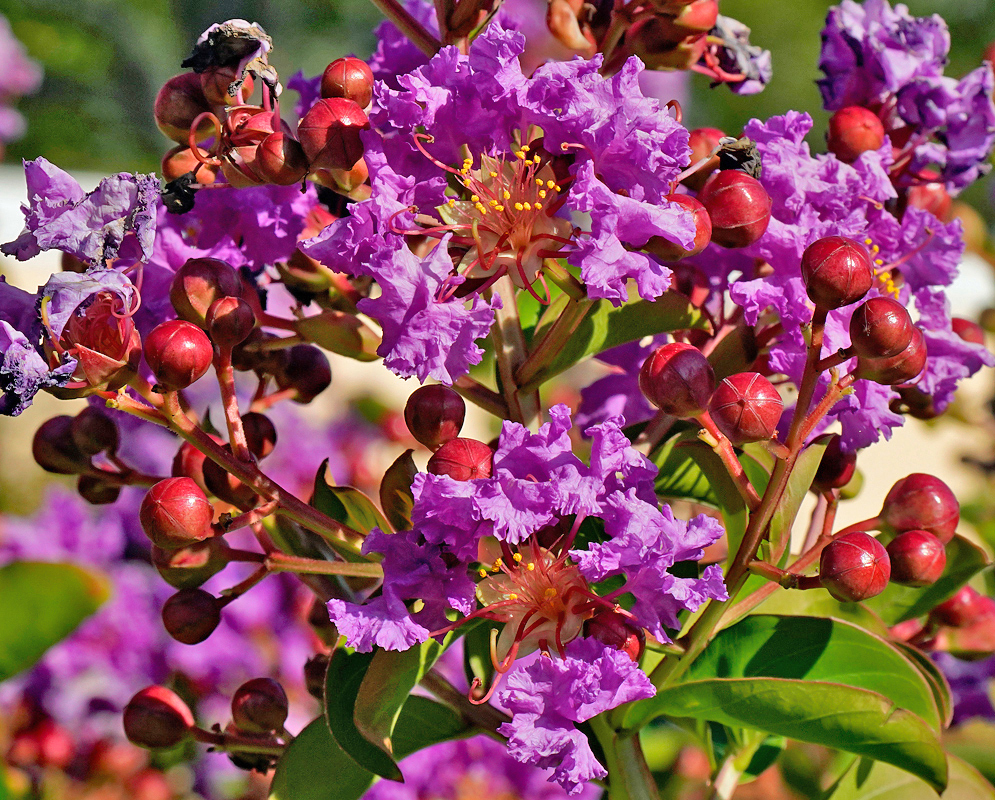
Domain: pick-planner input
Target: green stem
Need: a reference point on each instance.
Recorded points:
(480, 395)
(279, 562)
(629, 778)
(532, 372)
(511, 352)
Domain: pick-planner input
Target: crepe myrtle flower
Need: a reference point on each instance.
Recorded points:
(114, 223)
(19, 75)
(74, 335)
(500, 548)
(478, 174)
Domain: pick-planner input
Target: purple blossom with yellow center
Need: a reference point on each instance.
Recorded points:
(481, 174)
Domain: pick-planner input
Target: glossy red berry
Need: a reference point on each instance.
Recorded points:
(617, 631)
(462, 460)
(854, 567)
(671, 251)
(854, 130)
(836, 468)
(880, 327)
(896, 369)
(922, 502)
(918, 558)
(175, 513)
(330, 133)
(960, 610)
(738, 206)
(836, 271)
(156, 717)
(191, 615)
(434, 415)
(259, 706)
(178, 353)
(746, 408)
(677, 379)
(198, 283)
(350, 78)
(229, 321)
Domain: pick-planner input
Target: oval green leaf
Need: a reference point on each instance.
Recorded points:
(346, 505)
(872, 780)
(40, 604)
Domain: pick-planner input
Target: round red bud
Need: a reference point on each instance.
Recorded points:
(921, 502)
(260, 433)
(462, 460)
(179, 102)
(178, 353)
(671, 251)
(738, 206)
(97, 491)
(617, 631)
(156, 717)
(259, 706)
(880, 328)
(329, 133)
(216, 81)
(181, 160)
(305, 369)
(434, 415)
(854, 130)
(191, 615)
(854, 567)
(55, 450)
(897, 369)
(226, 487)
(94, 432)
(188, 567)
(175, 513)
(677, 379)
(230, 320)
(746, 408)
(917, 558)
(280, 159)
(198, 283)
(350, 78)
(189, 463)
(960, 610)
(836, 271)
(967, 330)
(932, 197)
(836, 468)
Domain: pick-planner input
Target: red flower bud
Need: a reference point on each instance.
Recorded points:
(329, 133)
(922, 502)
(191, 615)
(671, 251)
(216, 81)
(703, 141)
(260, 433)
(462, 460)
(178, 353)
(854, 567)
(179, 102)
(181, 160)
(836, 468)
(104, 342)
(280, 159)
(55, 450)
(677, 379)
(188, 567)
(917, 558)
(307, 370)
(896, 369)
(226, 487)
(175, 513)
(739, 207)
(960, 610)
(189, 463)
(932, 197)
(259, 706)
(854, 130)
(350, 78)
(157, 717)
(94, 432)
(836, 271)
(617, 631)
(968, 331)
(230, 320)
(97, 491)
(434, 415)
(746, 408)
(880, 328)
(198, 283)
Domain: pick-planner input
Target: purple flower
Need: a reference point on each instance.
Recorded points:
(970, 684)
(619, 153)
(737, 57)
(618, 394)
(114, 222)
(19, 75)
(396, 54)
(308, 91)
(550, 695)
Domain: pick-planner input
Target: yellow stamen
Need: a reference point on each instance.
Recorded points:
(542, 194)
(482, 573)
(530, 567)
(474, 198)
(507, 194)
(538, 206)
(519, 207)
(518, 558)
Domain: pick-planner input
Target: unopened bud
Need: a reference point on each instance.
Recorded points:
(230, 320)
(97, 491)
(671, 251)
(175, 513)
(189, 567)
(198, 283)
(854, 130)
(434, 415)
(836, 468)
(156, 717)
(179, 102)
(922, 502)
(226, 487)
(260, 433)
(94, 432)
(746, 408)
(918, 558)
(854, 567)
(181, 161)
(739, 208)
(350, 78)
(191, 615)
(677, 379)
(960, 610)
(836, 271)
(330, 133)
(216, 81)
(55, 450)
(702, 142)
(259, 706)
(280, 159)
(896, 369)
(178, 353)
(462, 460)
(617, 631)
(880, 328)
(307, 370)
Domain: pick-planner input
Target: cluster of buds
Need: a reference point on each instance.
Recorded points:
(434, 416)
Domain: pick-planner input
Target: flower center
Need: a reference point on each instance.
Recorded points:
(882, 272)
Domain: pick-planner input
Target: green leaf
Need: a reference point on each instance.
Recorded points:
(41, 604)
(346, 505)
(798, 485)
(605, 327)
(899, 603)
(873, 780)
(314, 767)
(816, 649)
(934, 677)
(387, 686)
(342, 333)
(477, 652)
(396, 498)
(794, 603)
(829, 714)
